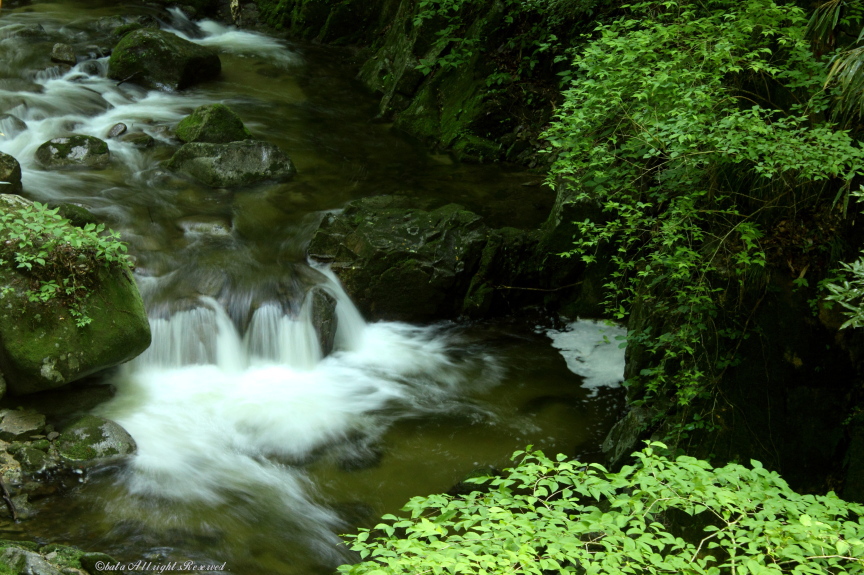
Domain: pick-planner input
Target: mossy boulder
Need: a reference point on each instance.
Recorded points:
(73, 152)
(160, 60)
(41, 347)
(401, 263)
(18, 560)
(10, 173)
(92, 438)
(214, 124)
(233, 164)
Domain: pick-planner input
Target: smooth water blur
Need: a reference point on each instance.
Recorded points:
(252, 449)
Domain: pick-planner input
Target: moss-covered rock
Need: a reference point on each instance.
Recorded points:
(40, 345)
(20, 561)
(10, 174)
(214, 124)
(93, 438)
(234, 164)
(73, 152)
(161, 60)
(399, 263)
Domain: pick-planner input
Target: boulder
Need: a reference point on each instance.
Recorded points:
(400, 263)
(10, 174)
(160, 60)
(63, 54)
(233, 164)
(73, 152)
(22, 561)
(11, 126)
(41, 347)
(92, 439)
(212, 123)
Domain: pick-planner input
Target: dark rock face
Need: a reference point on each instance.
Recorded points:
(73, 152)
(138, 140)
(399, 263)
(214, 124)
(10, 172)
(160, 60)
(324, 319)
(233, 164)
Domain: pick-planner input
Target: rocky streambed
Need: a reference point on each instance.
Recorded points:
(322, 295)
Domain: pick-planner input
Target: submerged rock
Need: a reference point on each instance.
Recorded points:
(233, 164)
(10, 173)
(161, 60)
(138, 140)
(73, 152)
(399, 263)
(214, 124)
(92, 438)
(40, 345)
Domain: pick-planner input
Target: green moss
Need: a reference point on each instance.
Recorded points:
(65, 557)
(212, 123)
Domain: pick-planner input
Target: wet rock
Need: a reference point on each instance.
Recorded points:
(10, 173)
(161, 60)
(32, 460)
(212, 123)
(63, 54)
(73, 152)
(399, 263)
(324, 319)
(117, 130)
(40, 345)
(139, 140)
(27, 562)
(92, 439)
(21, 425)
(28, 31)
(233, 164)
(11, 126)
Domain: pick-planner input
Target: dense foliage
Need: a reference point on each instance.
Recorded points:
(658, 516)
(61, 260)
(695, 125)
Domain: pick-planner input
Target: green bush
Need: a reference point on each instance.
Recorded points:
(59, 259)
(659, 516)
(696, 126)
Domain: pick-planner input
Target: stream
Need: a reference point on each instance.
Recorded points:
(253, 451)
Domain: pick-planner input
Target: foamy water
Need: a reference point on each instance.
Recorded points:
(593, 349)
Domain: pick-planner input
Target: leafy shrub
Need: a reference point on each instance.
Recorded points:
(693, 124)
(60, 259)
(563, 516)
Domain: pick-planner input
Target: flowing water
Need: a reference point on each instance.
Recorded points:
(254, 451)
